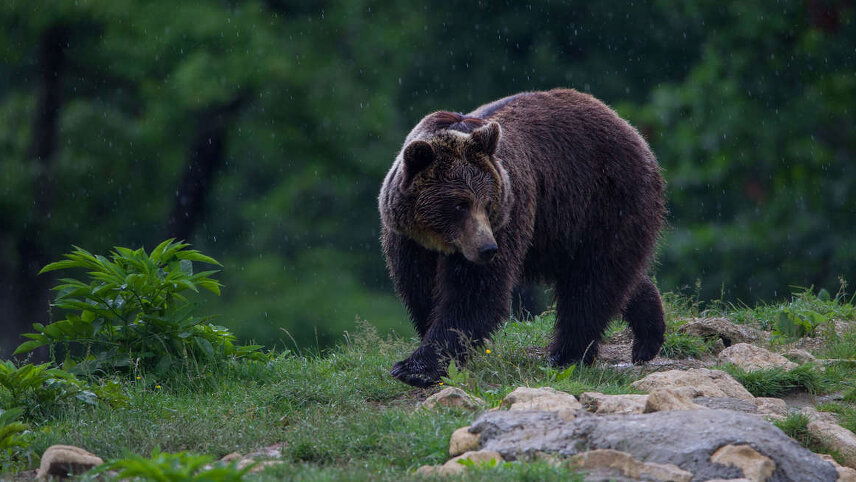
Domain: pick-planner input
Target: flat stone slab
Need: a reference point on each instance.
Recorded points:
(686, 439)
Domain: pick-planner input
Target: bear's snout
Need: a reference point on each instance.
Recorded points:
(487, 252)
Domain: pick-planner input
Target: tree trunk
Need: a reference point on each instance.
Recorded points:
(26, 294)
(205, 158)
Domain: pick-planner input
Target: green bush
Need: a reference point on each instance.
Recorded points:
(133, 311)
(167, 467)
(40, 387)
(10, 429)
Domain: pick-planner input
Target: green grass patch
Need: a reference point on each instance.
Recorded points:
(680, 345)
(340, 414)
(777, 382)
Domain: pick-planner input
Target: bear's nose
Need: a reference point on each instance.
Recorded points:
(488, 251)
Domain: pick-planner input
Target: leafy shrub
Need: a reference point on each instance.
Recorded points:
(133, 309)
(39, 387)
(167, 467)
(800, 316)
(777, 381)
(10, 429)
(792, 324)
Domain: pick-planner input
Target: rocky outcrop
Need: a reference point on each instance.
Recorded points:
(686, 439)
(751, 358)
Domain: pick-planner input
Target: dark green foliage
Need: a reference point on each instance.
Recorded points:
(133, 312)
(39, 388)
(777, 382)
(806, 313)
(10, 430)
(747, 106)
(177, 467)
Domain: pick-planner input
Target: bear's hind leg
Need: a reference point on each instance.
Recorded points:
(590, 294)
(644, 314)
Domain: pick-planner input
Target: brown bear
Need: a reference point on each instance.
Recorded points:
(546, 186)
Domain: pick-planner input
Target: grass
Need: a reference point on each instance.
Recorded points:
(340, 413)
(777, 382)
(680, 345)
(342, 416)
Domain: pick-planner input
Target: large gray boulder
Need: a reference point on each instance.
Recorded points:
(687, 439)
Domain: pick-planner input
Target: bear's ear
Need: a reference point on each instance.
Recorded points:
(487, 138)
(417, 156)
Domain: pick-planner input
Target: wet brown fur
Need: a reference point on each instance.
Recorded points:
(573, 196)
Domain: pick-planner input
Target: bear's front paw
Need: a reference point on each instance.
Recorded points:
(644, 351)
(419, 370)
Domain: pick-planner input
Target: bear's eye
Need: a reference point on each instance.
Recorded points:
(462, 206)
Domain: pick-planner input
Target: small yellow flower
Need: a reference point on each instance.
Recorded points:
(139, 377)
(158, 387)
(440, 383)
(487, 351)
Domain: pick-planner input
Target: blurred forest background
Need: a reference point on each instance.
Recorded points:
(260, 131)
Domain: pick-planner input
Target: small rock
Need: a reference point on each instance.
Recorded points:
(752, 358)
(62, 460)
(260, 465)
(463, 440)
(721, 328)
(695, 382)
(801, 356)
(608, 404)
(814, 416)
(231, 457)
(436, 470)
(452, 467)
(451, 397)
(769, 406)
(476, 456)
(845, 474)
(837, 438)
(755, 466)
(728, 403)
(663, 400)
(545, 399)
(622, 464)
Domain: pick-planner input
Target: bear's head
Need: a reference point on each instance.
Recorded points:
(449, 192)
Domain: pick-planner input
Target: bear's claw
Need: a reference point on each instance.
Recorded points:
(416, 373)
